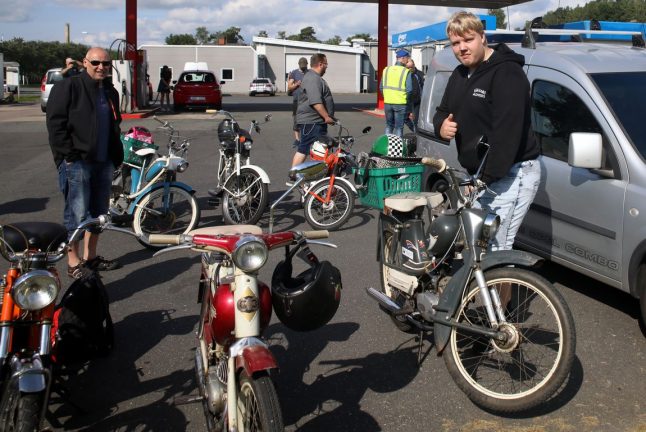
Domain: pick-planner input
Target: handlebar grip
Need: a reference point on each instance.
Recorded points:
(319, 234)
(438, 164)
(163, 239)
(157, 119)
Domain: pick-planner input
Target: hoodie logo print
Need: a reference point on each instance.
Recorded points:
(479, 93)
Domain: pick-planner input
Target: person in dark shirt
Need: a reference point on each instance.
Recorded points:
(488, 94)
(417, 78)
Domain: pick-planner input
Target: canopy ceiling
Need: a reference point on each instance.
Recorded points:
(480, 4)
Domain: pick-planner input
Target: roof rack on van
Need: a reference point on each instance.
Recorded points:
(531, 35)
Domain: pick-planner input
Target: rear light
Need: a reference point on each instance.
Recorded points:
(43, 82)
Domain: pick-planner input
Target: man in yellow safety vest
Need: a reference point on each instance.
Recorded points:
(396, 86)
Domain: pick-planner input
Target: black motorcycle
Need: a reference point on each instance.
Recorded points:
(506, 335)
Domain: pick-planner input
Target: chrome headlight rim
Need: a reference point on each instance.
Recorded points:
(250, 253)
(490, 226)
(35, 290)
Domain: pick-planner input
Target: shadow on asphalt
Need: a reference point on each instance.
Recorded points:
(24, 206)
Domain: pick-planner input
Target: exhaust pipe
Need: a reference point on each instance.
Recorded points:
(384, 301)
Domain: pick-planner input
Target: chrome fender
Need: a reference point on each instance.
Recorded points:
(30, 373)
(155, 186)
(261, 172)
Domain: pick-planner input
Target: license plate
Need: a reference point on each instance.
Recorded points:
(197, 98)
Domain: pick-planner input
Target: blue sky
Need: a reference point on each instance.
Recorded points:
(100, 22)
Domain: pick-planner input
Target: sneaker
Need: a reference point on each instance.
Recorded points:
(289, 183)
(78, 271)
(99, 263)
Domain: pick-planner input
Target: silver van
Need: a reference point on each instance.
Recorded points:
(587, 113)
(51, 77)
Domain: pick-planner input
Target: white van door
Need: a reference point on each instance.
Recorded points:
(576, 217)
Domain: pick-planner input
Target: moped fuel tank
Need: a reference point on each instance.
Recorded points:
(154, 169)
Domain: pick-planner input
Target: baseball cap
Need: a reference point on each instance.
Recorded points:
(402, 53)
(302, 61)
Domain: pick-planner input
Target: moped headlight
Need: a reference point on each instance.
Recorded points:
(247, 145)
(250, 254)
(490, 226)
(181, 167)
(35, 290)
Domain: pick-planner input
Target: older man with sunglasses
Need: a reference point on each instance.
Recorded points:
(83, 123)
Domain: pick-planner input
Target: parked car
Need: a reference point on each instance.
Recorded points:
(51, 77)
(197, 89)
(262, 86)
(587, 102)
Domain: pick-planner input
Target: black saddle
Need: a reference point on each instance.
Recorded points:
(44, 236)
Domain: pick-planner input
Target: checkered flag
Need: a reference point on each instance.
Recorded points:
(395, 146)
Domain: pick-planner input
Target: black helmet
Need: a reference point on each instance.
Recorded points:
(227, 130)
(309, 300)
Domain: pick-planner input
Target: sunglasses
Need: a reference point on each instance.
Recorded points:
(98, 62)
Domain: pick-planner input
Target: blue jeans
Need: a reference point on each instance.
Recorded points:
(86, 187)
(309, 134)
(513, 194)
(395, 115)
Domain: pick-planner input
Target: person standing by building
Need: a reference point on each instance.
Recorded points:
(488, 94)
(165, 77)
(83, 123)
(315, 107)
(416, 95)
(294, 80)
(72, 67)
(396, 86)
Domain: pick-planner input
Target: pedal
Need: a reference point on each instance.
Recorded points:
(214, 201)
(187, 399)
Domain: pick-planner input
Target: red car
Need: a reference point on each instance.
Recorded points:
(197, 89)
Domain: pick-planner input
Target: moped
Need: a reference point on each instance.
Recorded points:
(145, 188)
(242, 188)
(234, 365)
(506, 335)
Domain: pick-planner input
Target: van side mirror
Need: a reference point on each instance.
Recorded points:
(585, 150)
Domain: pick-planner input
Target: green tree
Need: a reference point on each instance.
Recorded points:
(336, 40)
(202, 36)
(306, 35)
(181, 39)
(365, 36)
(262, 33)
(281, 35)
(231, 35)
(501, 18)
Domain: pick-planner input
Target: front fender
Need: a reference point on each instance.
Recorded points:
(450, 299)
(30, 373)
(256, 358)
(336, 179)
(261, 172)
(155, 186)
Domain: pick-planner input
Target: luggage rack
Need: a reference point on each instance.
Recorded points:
(530, 36)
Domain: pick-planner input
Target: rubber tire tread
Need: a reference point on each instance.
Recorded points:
(267, 399)
(309, 200)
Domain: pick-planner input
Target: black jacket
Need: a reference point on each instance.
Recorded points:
(418, 86)
(71, 120)
(494, 101)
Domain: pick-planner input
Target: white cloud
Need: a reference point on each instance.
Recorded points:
(15, 11)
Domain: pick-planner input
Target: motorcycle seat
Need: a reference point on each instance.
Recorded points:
(408, 201)
(227, 230)
(44, 236)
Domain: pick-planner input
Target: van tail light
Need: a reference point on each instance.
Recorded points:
(43, 82)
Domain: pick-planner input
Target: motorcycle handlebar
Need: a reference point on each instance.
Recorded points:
(438, 164)
(318, 234)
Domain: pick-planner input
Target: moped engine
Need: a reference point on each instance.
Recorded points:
(426, 301)
(216, 387)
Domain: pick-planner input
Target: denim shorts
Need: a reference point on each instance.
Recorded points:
(86, 187)
(510, 198)
(309, 134)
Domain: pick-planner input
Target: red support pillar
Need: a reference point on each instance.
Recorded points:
(382, 47)
(131, 48)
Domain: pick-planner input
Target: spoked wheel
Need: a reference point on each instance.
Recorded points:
(20, 412)
(333, 214)
(166, 212)
(400, 322)
(258, 407)
(531, 365)
(244, 198)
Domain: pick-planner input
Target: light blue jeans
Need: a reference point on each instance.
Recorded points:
(512, 195)
(395, 115)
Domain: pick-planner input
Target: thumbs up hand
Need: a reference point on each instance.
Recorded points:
(449, 128)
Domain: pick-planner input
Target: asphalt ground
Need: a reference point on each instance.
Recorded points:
(356, 374)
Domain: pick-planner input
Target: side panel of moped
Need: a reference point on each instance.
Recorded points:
(156, 186)
(452, 295)
(261, 173)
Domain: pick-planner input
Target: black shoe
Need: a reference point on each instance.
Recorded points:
(99, 263)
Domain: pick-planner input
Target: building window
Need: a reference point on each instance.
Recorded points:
(226, 74)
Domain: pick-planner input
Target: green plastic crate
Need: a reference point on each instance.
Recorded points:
(130, 145)
(384, 182)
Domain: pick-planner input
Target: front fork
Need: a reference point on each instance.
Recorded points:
(491, 300)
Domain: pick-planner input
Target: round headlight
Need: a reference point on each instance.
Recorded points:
(247, 145)
(35, 290)
(490, 226)
(250, 254)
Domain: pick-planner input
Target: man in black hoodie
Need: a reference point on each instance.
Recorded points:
(488, 94)
(83, 123)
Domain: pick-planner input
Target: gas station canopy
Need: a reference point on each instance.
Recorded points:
(480, 4)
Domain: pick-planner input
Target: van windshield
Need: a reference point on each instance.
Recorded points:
(625, 93)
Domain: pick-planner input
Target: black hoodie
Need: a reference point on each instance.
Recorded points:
(495, 102)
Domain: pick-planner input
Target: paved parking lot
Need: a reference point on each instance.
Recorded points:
(356, 374)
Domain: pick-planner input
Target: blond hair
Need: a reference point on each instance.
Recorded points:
(462, 23)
